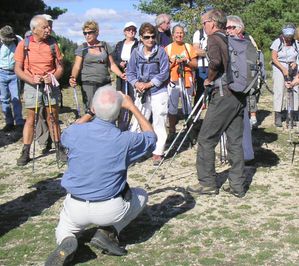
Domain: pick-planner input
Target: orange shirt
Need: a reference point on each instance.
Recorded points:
(39, 60)
(186, 50)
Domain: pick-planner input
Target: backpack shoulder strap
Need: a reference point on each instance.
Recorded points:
(52, 42)
(168, 49)
(280, 46)
(201, 35)
(26, 45)
(188, 49)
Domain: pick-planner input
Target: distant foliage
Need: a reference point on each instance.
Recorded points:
(18, 13)
(263, 19)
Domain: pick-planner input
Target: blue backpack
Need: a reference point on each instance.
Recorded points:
(242, 74)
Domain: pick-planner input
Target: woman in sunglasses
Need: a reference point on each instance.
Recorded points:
(121, 56)
(93, 58)
(148, 73)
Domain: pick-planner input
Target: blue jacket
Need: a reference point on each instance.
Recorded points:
(154, 69)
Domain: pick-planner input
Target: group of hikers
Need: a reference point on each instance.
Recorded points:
(127, 121)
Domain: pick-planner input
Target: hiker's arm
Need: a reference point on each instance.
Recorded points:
(115, 68)
(275, 61)
(76, 70)
(200, 52)
(295, 81)
(59, 69)
(33, 80)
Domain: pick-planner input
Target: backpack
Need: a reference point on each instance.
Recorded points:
(242, 74)
(281, 44)
(50, 40)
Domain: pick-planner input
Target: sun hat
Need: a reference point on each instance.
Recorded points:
(7, 34)
(130, 24)
(288, 30)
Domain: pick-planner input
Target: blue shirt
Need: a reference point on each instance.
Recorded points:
(99, 156)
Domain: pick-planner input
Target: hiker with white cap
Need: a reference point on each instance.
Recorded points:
(9, 90)
(121, 56)
(284, 54)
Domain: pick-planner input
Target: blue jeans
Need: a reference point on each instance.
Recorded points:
(9, 94)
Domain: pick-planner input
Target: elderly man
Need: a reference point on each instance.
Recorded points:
(163, 29)
(39, 68)
(224, 114)
(9, 90)
(96, 179)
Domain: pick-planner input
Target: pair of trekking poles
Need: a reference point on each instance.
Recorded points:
(52, 119)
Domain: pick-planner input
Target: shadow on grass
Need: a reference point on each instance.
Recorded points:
(156, 215)
(18, 211)
(9, 138)
(262, 114)
(145, 225)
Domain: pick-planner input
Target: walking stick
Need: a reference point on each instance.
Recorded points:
(177, 137)
(223, 150)
(77, 103)
(126, 114)
(47, 88)
(182, 89)
(34, 126)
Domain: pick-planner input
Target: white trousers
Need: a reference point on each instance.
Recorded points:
(77, 215)
(175, 92)
(280, 95)
(157, 106)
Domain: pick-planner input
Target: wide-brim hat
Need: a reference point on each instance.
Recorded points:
(7, 34)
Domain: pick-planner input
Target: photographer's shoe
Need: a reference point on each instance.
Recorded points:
(64, 253)
(201, 190)
(106, 240)
(229, 190)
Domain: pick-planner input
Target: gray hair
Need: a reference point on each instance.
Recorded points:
(106, 103)
(36, 20)
(160, 19)
(237, 20)
(219, 17)
(178, 26)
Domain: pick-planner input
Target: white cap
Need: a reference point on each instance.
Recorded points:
(47, 17)
(130, 24)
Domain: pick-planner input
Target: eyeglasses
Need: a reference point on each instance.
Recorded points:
(88, 32)
(147, 37)
(230, 27)
(206, 21)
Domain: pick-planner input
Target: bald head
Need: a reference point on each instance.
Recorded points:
(106, 103)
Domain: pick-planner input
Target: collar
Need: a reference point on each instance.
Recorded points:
(99, 121)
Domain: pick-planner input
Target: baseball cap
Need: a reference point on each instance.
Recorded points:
(47, 17)
(130, 24)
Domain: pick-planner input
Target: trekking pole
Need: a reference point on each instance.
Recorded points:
(139, 105)
(77, 103)
(34, 126)
(182, 89)
(47, 88)
(176, 138)
(126, 114)
(223, 150)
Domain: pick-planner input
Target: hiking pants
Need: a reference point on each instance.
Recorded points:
(77, 215)
(280, 94)
(225, 113)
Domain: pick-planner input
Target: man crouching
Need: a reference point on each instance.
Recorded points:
(96, 178)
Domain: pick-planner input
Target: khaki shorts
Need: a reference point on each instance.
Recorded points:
(42, 98)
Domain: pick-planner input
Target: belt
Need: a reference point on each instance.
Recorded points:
(79, 199)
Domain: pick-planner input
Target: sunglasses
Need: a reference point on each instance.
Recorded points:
(88, 32)
(130, 29)
(147, 37)
(230, 27)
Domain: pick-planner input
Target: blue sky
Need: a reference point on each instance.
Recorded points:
(110, 14)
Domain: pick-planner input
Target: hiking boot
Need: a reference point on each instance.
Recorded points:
(61, 153)
(201, 190)
(64, 253)
(229, 190)
(8, 128)
(106, 239)
(24, 159)
(47, 148)
(278, 122)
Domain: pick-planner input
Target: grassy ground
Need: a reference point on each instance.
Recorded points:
(177, 228)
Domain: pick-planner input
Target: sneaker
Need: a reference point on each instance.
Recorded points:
(8, 128)
(156, 159)
(229, 190)
(24, 158)
(106, 240)
(201, 190)
(64, 253)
